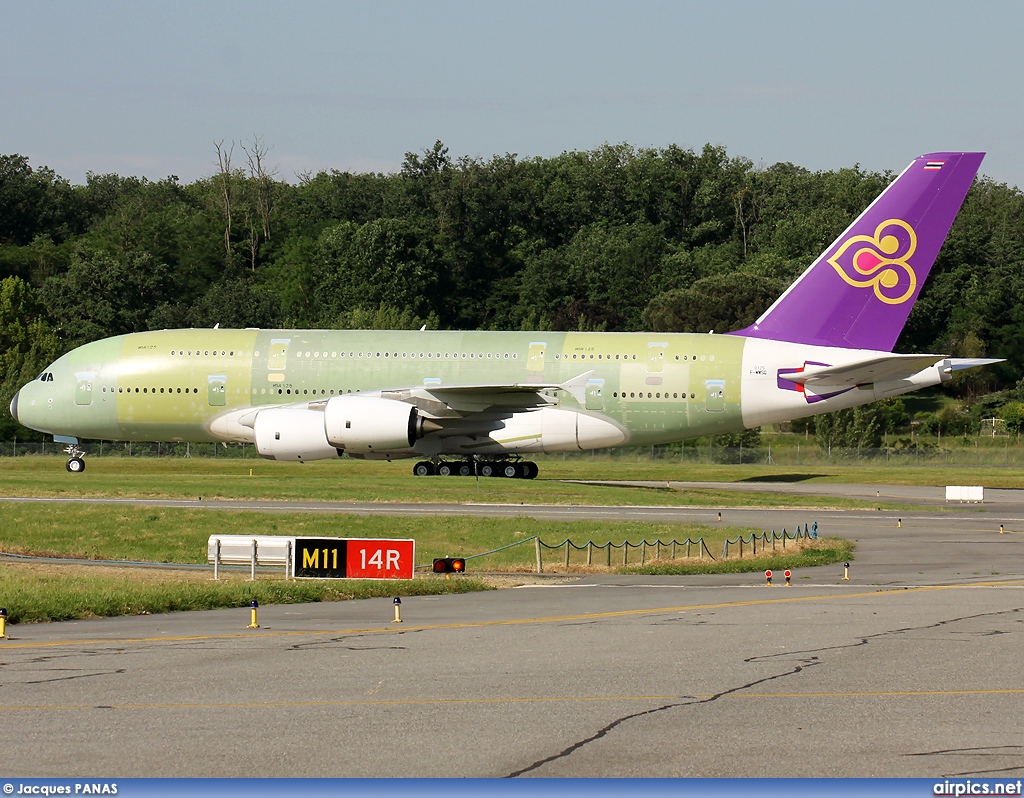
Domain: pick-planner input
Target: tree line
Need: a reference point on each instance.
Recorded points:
(615, 238)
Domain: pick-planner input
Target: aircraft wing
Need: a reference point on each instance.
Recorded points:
(883, 368)
(447, 400)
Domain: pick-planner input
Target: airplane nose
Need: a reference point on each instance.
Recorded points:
(14, 406)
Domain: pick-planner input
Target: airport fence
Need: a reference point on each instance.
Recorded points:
(979, 452)
(591, 554)
(767, 539)
(984, 452)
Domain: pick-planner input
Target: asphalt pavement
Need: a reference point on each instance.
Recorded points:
(910, 668)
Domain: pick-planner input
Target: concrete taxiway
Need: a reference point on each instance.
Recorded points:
(912, 668)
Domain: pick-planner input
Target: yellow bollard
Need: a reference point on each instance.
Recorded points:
(250, 472)
(846, 572)
(3, 623)
(1000, 529)
(253, 604)
(398, 610)
(719, 515)
(899, 523)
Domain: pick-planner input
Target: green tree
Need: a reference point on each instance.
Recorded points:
(102, 295)
(27, 345)
(854, 427)
(721, 303)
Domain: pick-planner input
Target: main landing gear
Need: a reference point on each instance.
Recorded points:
(76, 462)
(520, 469)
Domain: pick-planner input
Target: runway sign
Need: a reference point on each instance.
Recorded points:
(354, 558)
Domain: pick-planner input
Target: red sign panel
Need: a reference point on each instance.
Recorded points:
(354, 558)
(380, 559)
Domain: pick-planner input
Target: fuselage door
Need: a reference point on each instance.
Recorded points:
(595, 398)
(656, 357)
(278, 357)
(83, 390)
(535, 358)
(217, 390)
(714, 396)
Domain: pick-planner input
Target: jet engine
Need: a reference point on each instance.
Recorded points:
(358, 425)
(367, 424)
(292, 433)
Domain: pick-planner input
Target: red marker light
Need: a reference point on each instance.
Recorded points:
(768, 574)
(450, 565)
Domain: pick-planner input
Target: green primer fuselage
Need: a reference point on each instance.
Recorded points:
(169, 385)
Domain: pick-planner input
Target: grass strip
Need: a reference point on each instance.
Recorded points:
(349, 480)
(33, 593)
(178, 535)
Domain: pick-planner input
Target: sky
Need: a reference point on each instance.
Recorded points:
(147, 88)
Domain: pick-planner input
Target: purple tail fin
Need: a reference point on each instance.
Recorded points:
(859, 292)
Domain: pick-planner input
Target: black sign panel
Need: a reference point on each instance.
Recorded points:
(320, 558)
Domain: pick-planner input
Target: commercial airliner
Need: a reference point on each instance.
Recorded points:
(479, 402)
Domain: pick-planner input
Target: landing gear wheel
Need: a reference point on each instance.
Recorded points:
(530, 470)
(76, 465)
(424, 469)
(488, 469)
(465, 469)
(444, 470)
(511, 470)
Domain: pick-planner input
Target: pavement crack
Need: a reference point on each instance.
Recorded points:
(988, 750)
(342, 642)
(867, 639)
(605, 730)
(77, 676)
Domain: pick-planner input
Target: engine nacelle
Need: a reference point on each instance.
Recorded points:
(369, 424)
(292, 433)
(553, 429)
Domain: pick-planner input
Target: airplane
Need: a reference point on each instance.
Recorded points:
(478, 402)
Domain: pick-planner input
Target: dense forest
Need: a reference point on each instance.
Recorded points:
(616, 238)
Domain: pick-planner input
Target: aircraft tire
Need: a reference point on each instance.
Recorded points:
(488, 470)
(465, 469)
(445, 470)
(76, 465)
(530, 470)
(511, 470)
(423, 469)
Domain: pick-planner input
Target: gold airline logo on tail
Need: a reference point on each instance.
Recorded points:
(880, 261)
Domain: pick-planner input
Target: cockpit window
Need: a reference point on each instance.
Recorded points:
(46, 376)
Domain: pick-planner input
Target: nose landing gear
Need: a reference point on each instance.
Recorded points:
(76, 461)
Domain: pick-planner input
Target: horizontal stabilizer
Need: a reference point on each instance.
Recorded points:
(884, 368)
(961, 363)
